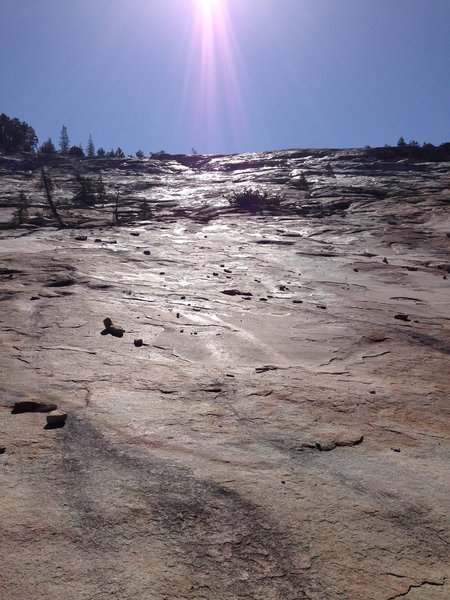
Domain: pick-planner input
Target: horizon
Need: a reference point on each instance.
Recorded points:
(217, 76)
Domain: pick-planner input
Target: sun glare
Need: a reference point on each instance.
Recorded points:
(212, 81)
(209, 4)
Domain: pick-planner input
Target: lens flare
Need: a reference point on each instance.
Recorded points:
(212, 89)
(209, 5)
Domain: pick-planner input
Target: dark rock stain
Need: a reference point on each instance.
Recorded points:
(211, 532)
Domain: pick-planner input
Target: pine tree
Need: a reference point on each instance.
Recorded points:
(21, 213)
(101, 153)
(64, 143)
(139, 154)
(48, 147)
(101, 191)
(87, 191)
(90, 148)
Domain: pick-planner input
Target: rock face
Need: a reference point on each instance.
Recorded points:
(294, 448)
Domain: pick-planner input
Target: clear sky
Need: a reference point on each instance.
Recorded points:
(228, 75)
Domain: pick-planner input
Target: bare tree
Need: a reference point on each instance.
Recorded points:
(116, 208)
(46, 184)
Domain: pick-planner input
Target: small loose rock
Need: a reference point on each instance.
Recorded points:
(56, 418)
(402, 317)
(111, 330)
(33, 406)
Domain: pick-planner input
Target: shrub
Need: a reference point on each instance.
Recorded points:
(76, 151)
(301, 183)
(145, 212)
(249, 200)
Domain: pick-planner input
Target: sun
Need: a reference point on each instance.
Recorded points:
(209, 5)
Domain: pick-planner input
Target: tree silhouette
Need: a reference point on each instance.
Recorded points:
(16, 136)
(64, 143)
(90, 148)
(76, 151)
(48, 147)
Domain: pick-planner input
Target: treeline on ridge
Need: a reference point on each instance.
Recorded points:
(18, 136)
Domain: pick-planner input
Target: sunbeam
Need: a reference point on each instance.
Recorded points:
(213, 85)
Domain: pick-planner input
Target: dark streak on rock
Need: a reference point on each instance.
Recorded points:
(211, 531)
(430, 341)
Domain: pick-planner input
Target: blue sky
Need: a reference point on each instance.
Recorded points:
(228, 75)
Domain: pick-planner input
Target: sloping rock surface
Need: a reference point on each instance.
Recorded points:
(286, 441)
